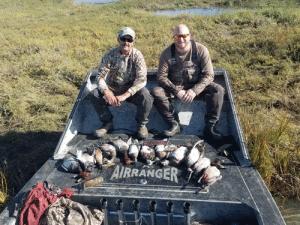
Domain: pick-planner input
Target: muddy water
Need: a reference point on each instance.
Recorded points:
(290, 210)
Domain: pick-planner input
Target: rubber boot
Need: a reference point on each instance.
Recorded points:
(100, 133)
(210, 131)
(174, 129)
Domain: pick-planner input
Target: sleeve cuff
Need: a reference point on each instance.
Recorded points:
(132, 92)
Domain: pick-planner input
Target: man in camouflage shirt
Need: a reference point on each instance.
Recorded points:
(185, 71)
(122, 77)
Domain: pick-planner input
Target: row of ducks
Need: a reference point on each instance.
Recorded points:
(192, 158)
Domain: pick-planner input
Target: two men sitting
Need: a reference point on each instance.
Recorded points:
(185, 72)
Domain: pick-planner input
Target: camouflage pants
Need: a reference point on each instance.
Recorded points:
(214, 96)
(142, 99)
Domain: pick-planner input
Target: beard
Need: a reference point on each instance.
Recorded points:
(183, 46)
(125, 48)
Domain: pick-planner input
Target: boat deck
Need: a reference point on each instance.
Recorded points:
(162, 184)
(240, 197)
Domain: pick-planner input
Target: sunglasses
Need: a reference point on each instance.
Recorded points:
(181, 36)
(126, 39)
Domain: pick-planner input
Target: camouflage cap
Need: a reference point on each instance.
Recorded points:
(127, 31)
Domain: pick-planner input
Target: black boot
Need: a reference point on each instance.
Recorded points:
(174, 129)
(210, 131)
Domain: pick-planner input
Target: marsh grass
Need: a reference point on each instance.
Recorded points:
(47, 48)
(274, 150)
(3, 190)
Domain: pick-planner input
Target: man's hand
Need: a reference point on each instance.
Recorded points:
(180, 94)
(189, 96)
(110, 98)
(123, 97)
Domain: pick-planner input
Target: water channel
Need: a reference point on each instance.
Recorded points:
(193, 11)
(95, 2)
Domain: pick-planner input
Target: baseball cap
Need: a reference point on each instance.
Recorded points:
(127, 31)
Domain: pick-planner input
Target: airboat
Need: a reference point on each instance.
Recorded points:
(151, 194)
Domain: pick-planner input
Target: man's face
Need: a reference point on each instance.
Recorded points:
(181, 36)
(126, 43)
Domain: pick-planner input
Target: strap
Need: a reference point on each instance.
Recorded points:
(173, 56)
(194, 52)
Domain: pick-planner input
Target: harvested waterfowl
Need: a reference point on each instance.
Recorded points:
(98, 157)
(70, 164)
(196, 168)
(109, 153)
(86, 160)
(177, 156)
(193, 155)
(147, 154)
(163, 151)
(209, 176)
(134, 150)
(218, 163)
(160, 151)
(121, 146)
(169, 149)
(200, 166)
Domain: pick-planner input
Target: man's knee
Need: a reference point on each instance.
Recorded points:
(220, 89)
(158, 92)
(142, 97)
(95, 93)
(217, 89)
(145, 94)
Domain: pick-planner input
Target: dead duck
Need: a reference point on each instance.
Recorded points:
(200, 166)
(202, 163)
(71, 164)
(134, 149)
(209, 177)
(98, 157)
(122, 147)
(109, 153)
(164, 151)
(147, 154)
(193, 154)
(160, 151)
(86, 161)
(218, 163)
(177, 156)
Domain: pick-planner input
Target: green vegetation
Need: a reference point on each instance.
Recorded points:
(48, 46)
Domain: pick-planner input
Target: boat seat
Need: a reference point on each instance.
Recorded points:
(191, 115)
(151, 78)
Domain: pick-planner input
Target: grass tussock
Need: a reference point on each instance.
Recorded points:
(47, 48)
(4, 197)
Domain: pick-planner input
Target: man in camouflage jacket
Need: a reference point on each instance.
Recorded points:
(185, 71)
(122, 76)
